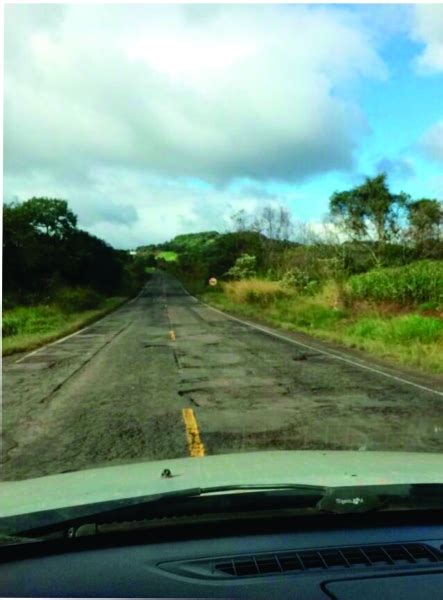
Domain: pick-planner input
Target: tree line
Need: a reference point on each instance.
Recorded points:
(368, 226)
(44, 250)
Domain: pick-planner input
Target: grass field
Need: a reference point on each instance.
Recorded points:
(408, 338)
(168, 256)
(27, 327)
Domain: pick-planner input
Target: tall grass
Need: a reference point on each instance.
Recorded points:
(76, 299)
(28, 327)
(255, 291)
(411, 284)
(43, 318)
(411, 339)
(402, 329)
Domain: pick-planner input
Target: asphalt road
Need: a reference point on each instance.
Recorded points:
(166, 376)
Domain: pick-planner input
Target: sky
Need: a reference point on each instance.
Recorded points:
(156, 120)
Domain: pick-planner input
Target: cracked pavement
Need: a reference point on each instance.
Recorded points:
(165, 376)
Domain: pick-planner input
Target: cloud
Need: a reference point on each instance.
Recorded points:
(129, 208)
(400, 168)
(428, 29)
(157, 120)
(432, 142)
(210, 92)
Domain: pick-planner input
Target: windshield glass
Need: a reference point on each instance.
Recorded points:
(222, 250)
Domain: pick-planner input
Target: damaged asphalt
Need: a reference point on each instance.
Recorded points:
(121, 389)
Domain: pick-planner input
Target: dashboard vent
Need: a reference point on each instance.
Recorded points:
(329, 558)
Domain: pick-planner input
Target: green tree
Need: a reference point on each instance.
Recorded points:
(43, 251)
(425, 221)
(49, 216)
(370, 212)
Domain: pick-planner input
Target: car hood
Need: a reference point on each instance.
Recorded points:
(131, 480)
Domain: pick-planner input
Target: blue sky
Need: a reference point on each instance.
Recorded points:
(399, 110)
(153, 121)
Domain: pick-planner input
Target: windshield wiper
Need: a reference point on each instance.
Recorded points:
(226, 502)
(11, 540)
(226, 498)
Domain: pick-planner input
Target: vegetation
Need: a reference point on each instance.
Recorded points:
(375, 282)
(43, 250)
(244, 267)
(414, 340)
(254, 291)
(415, 283)
(55, 275)
(28, 327)
(167, 255)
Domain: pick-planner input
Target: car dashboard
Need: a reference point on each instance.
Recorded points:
(335, 557)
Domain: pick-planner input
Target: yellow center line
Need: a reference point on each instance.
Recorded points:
(196, 448)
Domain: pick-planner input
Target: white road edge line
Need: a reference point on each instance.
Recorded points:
(53, 343)
(325, 352)
(72, 334)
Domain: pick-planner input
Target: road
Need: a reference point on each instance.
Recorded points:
(166, 376)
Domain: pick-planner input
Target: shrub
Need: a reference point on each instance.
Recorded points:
(244, 267)
(414, 283)
(77, 299)
(300, 281)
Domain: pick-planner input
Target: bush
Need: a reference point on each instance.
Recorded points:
(414, 283)
(300, 281)
(77, 299)
(244, 267)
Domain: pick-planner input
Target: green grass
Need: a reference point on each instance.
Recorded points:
(25, 328)
(402, 329)
(168, 256)
(411, 340)
(419, 282)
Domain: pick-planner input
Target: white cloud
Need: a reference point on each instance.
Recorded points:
(428, 29)
(210, 92)
(102, 101)
(432, 142)
(129, 208)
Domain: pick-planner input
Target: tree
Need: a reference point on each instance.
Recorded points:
(240, 221)
(425, 221)
(274, 222)
(370, 212)
(19, 243)
(49, 216)
(43, 250)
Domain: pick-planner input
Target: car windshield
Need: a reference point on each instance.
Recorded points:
(222, 253)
